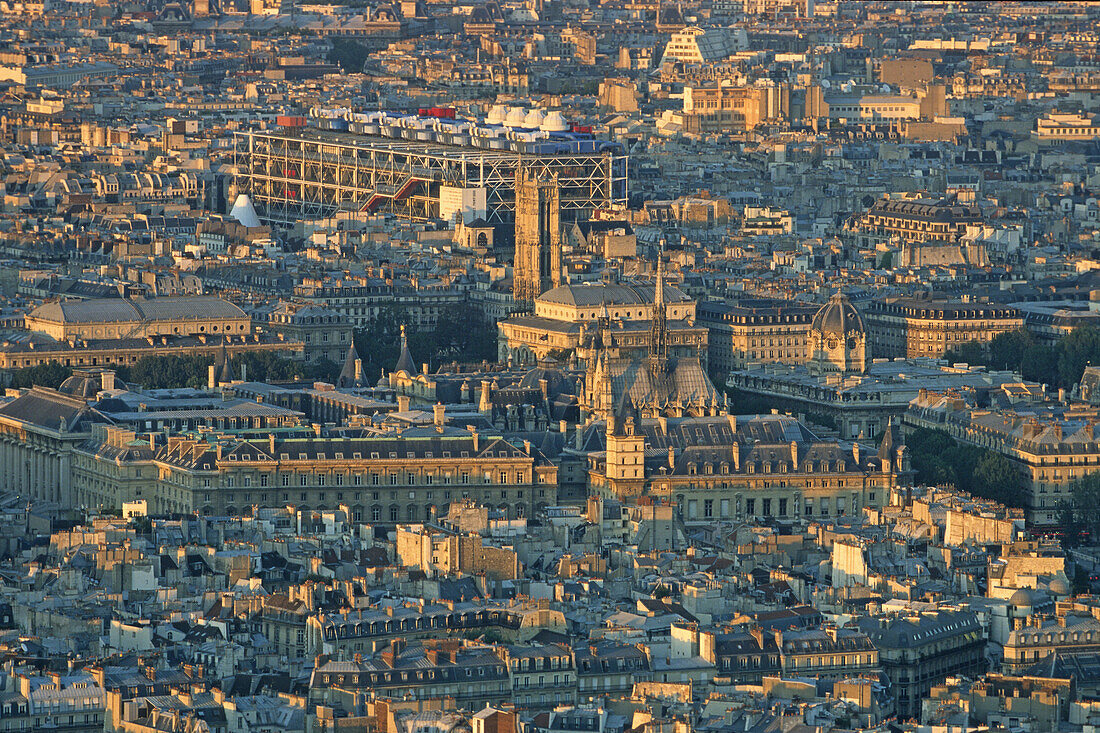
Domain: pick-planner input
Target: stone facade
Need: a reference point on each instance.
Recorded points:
(742, 468)
(403, 477)
(750, 331)
(324, 333)
(911, 328)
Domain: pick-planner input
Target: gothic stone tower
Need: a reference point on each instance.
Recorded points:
(538, 237)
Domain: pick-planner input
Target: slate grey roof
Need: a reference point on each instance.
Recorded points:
(912, 631)
(685, 383)
(46, 407)
(117, 310)
(612, 294)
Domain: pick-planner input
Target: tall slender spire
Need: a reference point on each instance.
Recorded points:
(659, 288)
(658, 331)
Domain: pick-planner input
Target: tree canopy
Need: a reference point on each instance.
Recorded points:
(50, 374)
(1080, 514)
(172, 371)
(938, 459)
(1060, 365)
(461, 334)
(348, 55)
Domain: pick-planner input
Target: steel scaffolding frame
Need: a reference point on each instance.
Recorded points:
(316, 174)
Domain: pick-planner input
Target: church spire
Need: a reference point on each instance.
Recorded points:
(659, 288)
(658, 330)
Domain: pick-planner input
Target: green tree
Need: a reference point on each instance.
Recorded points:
(162, 372)
(927, 448)
(1071, 526)
(930, 441)
(348, 55)
(971, 352)
(1077, 350)
(464, 334)
(938, 460)
(963, 460)
(747, 403)
(379, 344)
(1040, 364)
(171, 371)
(1007, 350)
(325, 370)
(265, 366)
(50, 374)
(935, 471)
(996, 477)
(1086, 504)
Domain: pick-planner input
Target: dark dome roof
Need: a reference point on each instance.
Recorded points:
(1022, 597)
(83, 385)
(556, 382)
(1058, 587)
(838, 316)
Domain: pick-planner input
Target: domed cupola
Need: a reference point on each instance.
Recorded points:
(838, 339)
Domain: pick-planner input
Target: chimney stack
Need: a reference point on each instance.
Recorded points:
(211, 377)
(484, 405)
(108, 377)
(402, 403)
(439, 415)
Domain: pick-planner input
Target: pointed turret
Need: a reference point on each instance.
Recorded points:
(627, 417)
(887, 445)
(405, 361)
(351, 375)
(225, 372)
